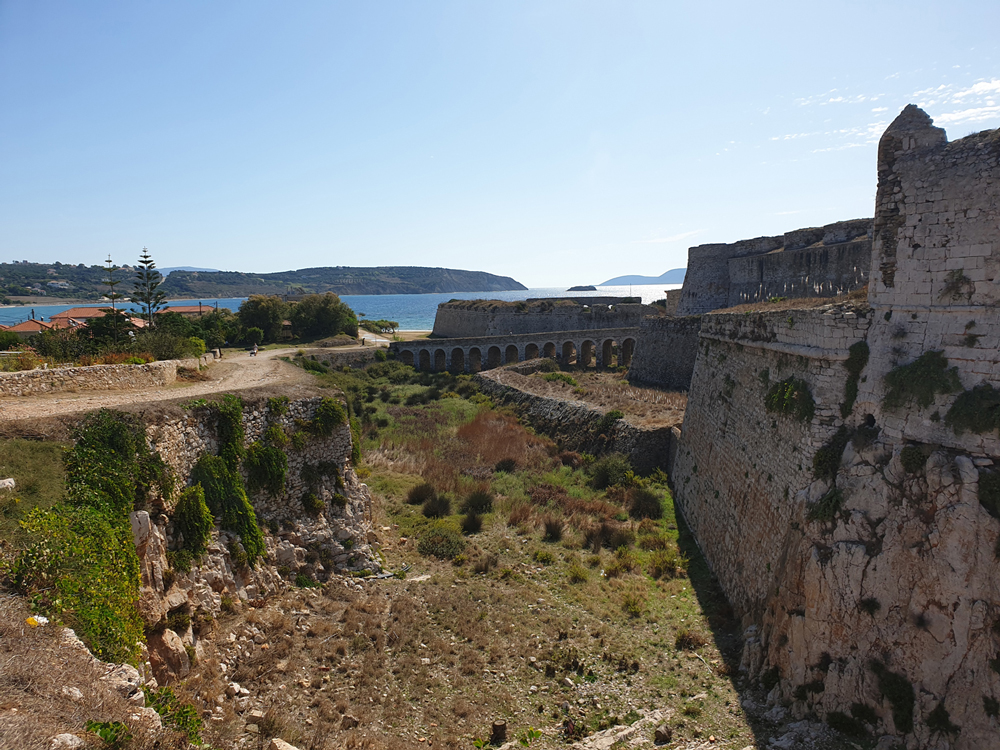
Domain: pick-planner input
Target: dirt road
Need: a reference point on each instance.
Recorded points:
(235, 372)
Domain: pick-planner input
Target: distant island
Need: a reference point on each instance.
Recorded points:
(62, 281)
(674, 276)
(587, 288)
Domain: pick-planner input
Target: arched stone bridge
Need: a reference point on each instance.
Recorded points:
(605, 347)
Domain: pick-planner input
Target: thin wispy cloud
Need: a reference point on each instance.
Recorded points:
(672, 238)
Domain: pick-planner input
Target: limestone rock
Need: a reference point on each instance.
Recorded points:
(277, 744)
(663, 734)
(66, 742)
(168, 656)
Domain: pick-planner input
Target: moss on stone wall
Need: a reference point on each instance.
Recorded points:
(791, 397)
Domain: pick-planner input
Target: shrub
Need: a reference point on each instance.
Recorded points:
(437, 506)
(82, 568)
(543, 556)
(870, 605)
(826, 460)
(633, 604)
(899, 692)
(472, 523)
(912, 458)
(440, 541)
(560, 377)
(553, 529)
(667, 563)
(479, 501)
(989, 498)
(856, 361)
(826, 508)
(689, 640)
(266, 467)
(312, 504)
(508, 465)
(843, 723)
(920, 380)
(229, 428)
(938, 720)
(977, 410)
(112, 466)
(193, 519)
(329, 416)
(645, 503)
(607, 421)
(305, 582)
(611, 470)
(421, 493)
(571, 459)
(576, 573)
(791, 397)
(225, 496)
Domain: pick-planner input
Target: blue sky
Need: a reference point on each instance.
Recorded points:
(556, 142)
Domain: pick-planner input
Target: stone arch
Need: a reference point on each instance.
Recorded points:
(587, 349)
(440, 360)
(625, 352)
(531, 351)
(549, 350)
(511, 354)
(406, 357)
(493, 357)
(607, 352)
(425, 360)
(568, 352)
(457, 360)
(475, 359)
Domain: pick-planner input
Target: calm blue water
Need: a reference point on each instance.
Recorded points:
(413, 312)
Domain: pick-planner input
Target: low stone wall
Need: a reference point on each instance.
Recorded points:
(573, 425)
(354, 358)
(93, 378)
(665, 352)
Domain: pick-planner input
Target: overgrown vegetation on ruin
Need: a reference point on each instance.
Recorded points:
(857, 359)
(78, 564)
(791, 397)
(920, 381)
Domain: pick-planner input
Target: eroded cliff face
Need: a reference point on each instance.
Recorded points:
(338, 538)
(860, 540)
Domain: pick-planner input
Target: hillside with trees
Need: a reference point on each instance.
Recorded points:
(339, 280)
(61, 281)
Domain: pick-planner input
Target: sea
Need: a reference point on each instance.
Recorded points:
(413, 312)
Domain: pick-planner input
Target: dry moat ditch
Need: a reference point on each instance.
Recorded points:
(555, 591)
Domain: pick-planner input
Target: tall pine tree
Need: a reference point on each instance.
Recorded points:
(146, 291)
(111, 282)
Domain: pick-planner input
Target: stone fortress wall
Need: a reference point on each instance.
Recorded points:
(665, 352)
(870, 578)
(476, 318)
(812, 262)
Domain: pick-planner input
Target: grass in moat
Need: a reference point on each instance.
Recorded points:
(37, 470)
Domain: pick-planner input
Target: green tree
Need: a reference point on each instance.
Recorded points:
(323, 315)
(146, 291)
(264, 312)
(111, 282)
